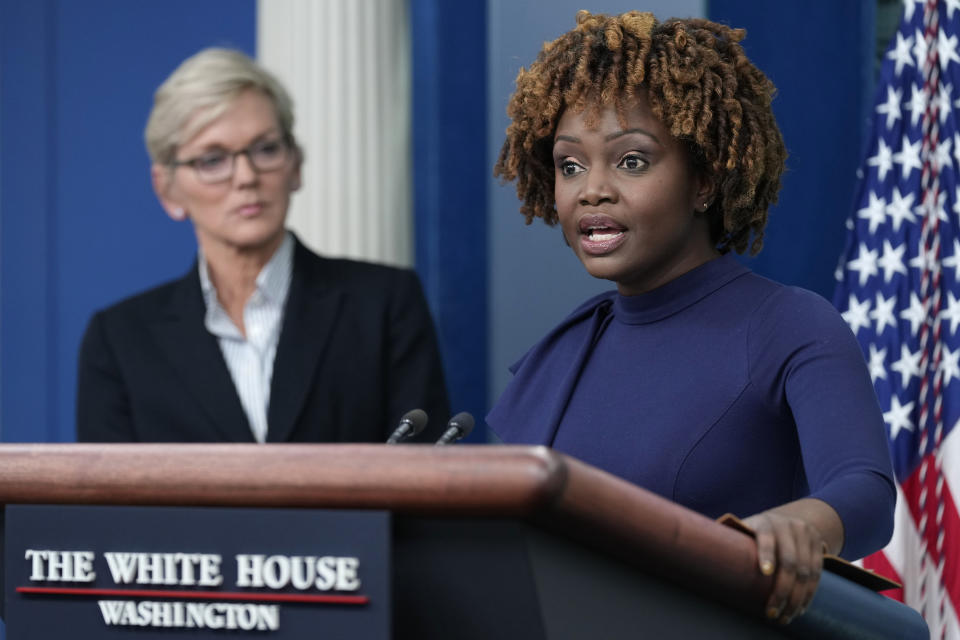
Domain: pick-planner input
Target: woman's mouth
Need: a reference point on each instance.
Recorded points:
(250, 210)
(599, 234)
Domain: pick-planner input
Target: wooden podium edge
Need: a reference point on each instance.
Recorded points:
(553, 491)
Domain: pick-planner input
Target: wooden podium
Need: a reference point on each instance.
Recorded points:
(487, 541)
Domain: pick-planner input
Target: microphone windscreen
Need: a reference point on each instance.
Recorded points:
(463, 420)
(417, 419)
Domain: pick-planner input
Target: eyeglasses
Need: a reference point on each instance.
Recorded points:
(219, 165)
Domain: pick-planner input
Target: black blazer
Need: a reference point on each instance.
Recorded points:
(357, 350)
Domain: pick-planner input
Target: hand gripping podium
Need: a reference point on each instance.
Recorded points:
(484, 541)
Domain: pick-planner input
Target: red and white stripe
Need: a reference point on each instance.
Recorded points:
(926, 512)
(908, 552)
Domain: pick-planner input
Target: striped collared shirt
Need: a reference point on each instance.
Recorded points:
(250, 359)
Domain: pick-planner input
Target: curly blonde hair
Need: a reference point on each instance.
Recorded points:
(698, 82)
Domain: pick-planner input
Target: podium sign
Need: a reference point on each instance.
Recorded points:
(161, 572)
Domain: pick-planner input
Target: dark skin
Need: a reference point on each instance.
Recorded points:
(791, 541)
(633, 211)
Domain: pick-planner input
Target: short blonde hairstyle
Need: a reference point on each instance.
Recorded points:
(200, 90)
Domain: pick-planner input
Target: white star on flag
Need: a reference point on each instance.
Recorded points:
(866, 264)
(942, 102)
(950, 365)
(898, 417)
(935, 207)
(877, 367)
(892, 260)
(901, 52)
(908, 366)
(908, 7)
(909, 156)
(883, 161)
(952, 312)
(883, 312)
(899, 208)
(925, 261)
(947, 50)
(942, 158)
(916, 313)
(891, 107)
(953, 262)
(916, 105)
(919, 48)
(856, 314)
(874, 212)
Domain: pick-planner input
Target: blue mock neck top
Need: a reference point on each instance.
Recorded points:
(721, 390)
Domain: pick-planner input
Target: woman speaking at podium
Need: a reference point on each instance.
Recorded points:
(654, 146)
(261, 340)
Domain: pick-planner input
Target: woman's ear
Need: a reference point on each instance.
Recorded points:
(161, 178)
(295, 179)
(705, 192)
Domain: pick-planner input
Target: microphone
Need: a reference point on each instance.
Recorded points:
(458, 427)
(410, 425)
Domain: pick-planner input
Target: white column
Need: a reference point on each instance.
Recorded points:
(346, 64)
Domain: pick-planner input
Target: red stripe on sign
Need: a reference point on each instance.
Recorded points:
(195, 595)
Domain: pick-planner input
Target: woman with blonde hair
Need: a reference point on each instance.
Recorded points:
(261, 340)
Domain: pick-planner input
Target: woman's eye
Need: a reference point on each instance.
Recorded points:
(633, 162)
(211, 160)
(268, 149)
(569, 168)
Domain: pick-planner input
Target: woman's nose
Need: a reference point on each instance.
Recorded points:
(597, 188)
(244, 172)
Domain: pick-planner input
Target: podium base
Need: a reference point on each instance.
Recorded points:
(515, 581)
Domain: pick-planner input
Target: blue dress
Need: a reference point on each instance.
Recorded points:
(722, 391)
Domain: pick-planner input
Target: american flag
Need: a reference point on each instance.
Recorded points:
(899, 291)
